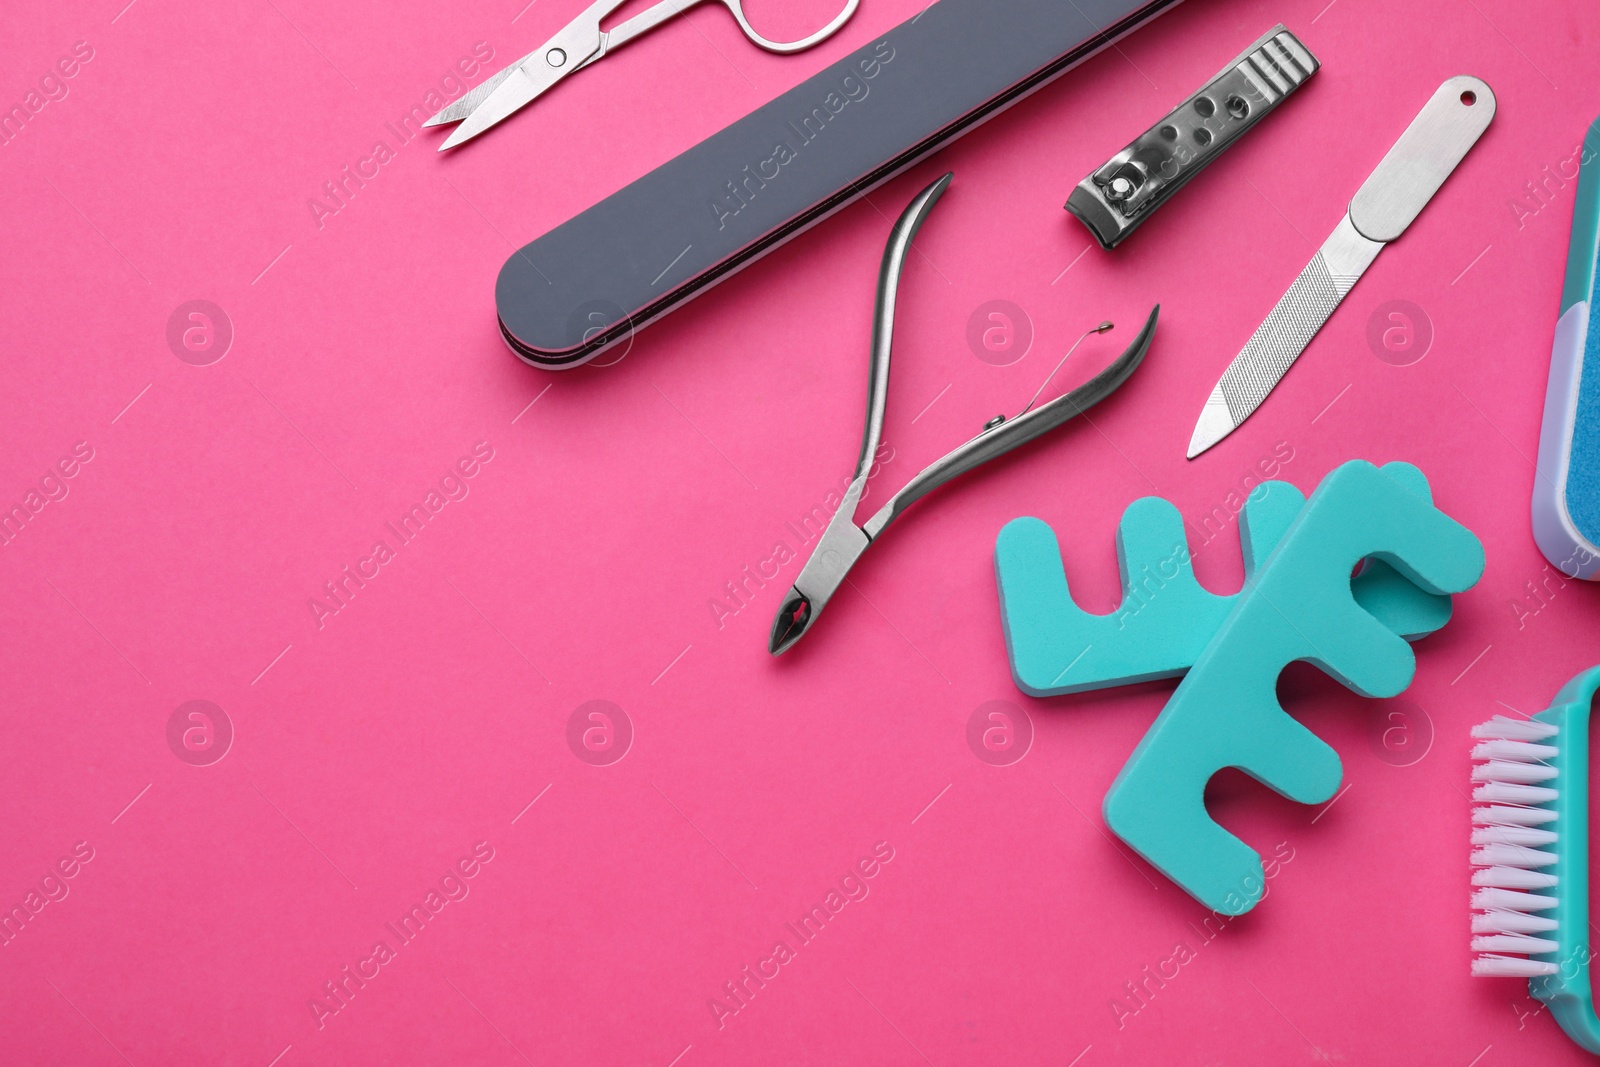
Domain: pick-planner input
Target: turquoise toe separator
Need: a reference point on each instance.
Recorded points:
(1166, 617)
(1298, 603)
(1567, 992)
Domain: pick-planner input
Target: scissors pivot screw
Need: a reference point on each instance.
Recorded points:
(556, 57)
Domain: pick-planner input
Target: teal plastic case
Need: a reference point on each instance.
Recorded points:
(1566, 494)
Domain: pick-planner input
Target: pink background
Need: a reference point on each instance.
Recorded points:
(372, 753)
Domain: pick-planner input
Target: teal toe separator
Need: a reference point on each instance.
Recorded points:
(1568, 992)
(1225, 713)
(1166, 617)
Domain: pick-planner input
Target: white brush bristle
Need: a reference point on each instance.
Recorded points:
(1513, 793)
(1511, 922)
(1530, 836)
(1512, 750)
(1527, 946)
(1511, 900)
(1488, 966)
(1513, 878)
(1506, 815)
(1513, 777)
(1511, 856)
(1504, 770)
(1504, 727)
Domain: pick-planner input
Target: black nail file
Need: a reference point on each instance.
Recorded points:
(592, 281)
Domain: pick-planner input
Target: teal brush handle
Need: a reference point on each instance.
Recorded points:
(1567, 992)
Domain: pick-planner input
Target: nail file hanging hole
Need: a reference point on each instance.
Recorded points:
(1169, 133)
(1238, 106)
(1469, 98)
(1202, 137)
(1204, 107)
(555, 57)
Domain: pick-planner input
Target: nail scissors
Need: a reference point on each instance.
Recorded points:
(580, 44)
(843, 542)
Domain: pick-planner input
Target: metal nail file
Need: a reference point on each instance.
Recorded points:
(1389, 200)
(651, 246)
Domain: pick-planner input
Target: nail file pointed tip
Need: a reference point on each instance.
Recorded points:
(1199, 443)
(1216, 422)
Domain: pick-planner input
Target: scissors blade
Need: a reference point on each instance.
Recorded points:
(1279, 340)
(524, 82)
(460, 109)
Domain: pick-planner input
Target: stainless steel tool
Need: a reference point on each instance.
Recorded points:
(1389, 200)
(1128, 188)
(581, 43)
(843, 542)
